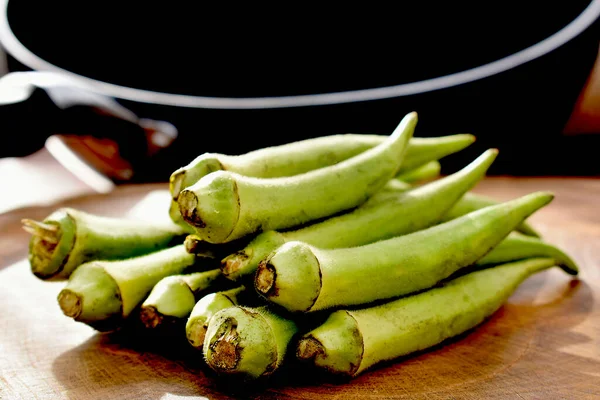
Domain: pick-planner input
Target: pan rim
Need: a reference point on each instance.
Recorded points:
(578, 25)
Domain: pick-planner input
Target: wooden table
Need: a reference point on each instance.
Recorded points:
(543, 344)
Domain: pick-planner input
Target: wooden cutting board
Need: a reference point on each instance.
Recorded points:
(543, 344)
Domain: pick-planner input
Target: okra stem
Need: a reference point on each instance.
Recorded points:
(46, 232)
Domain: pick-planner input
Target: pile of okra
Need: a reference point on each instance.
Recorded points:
(335, 253)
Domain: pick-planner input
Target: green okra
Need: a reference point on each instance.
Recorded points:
(351, 341)
(425, 172)
(103, 294)
(394, 211)
(304, 278)
(225, 206)
(306, 155)
(68, 238)
(518, 246)
(474, 201)
(247, 343)
(172, 299)
(205, 308)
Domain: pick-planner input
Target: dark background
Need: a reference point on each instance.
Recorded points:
(527, 112)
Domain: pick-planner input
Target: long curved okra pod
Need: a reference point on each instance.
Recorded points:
(306, 155)
(391, 212)
(247, 343)
(68, 238)
(103, 294)
(518, 246)
(224, 206)
(473, 201)
(172, 299)
(352, 341)
(303, 278)
(205, 308)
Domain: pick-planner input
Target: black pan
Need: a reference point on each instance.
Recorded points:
(233, 81)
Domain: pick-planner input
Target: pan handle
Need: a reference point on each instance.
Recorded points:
(38, 105)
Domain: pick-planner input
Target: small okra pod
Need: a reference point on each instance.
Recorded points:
(225, 206)
(304, 278)
(172, 299)
(393, 211)
(351, 341)
(68, 238)
(247, 343)
(102, 294)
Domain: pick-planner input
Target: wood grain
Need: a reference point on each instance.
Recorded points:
(543, 344)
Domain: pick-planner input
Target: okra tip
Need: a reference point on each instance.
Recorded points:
(469, 137)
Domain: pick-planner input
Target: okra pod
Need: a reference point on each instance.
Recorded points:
(68, 238)
(351, 341)
(391, 212)
(172, 299)
(303, 278)
(103, 294)
(225, 206)
(306, 155)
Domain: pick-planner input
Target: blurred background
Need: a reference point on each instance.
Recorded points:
(120, 93)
